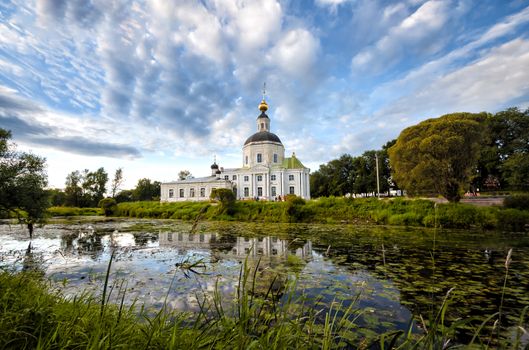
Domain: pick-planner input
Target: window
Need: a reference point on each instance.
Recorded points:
(273, 190)
(259, 191)
(246, 159)
(201, 238)
(290, 177)
(274, 251)
(226, 177)
(291, 190)
(190, 238)
(259, 158)
(180, 237)
(181, 193)
(170, 237)
(246, 192)
(262, 126)
(202, 192)
(259, 178)
(234, 177)
(191, 192)
(272, 177)
(275, 157)
(246, 178)
(171, 193)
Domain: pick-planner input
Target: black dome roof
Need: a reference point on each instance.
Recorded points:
(214, 166)
(262, 136)
(262, 115)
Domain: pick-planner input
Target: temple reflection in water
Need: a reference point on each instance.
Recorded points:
(237, 246)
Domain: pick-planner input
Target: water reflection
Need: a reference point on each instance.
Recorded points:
(240, 247)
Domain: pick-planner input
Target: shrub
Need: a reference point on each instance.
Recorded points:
(518, 201)
(226, 197)
(512, 219)
(108, 205)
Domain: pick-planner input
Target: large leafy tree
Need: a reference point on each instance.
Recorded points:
(146, 190)
(22, 181)
(85, 189)
(439, 155)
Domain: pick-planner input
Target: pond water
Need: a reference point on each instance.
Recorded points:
(395, 275)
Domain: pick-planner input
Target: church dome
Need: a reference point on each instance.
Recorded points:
(262, 136)
(214, 166)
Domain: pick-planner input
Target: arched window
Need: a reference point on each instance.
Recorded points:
(191, 192)
(259, 158)
(171, 193)
(275, 157)
(246, 160)
(262, 126)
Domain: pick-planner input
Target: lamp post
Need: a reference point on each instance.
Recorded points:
(378, 181)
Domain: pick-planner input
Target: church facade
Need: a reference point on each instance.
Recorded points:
(266, 174)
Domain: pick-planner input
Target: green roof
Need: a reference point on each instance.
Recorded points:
(292, 163)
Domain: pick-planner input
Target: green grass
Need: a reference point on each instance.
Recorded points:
(395, 211)
(74, 211)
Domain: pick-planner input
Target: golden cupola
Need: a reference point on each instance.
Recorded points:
(263, 106)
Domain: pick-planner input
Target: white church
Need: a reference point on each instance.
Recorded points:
(265, 173)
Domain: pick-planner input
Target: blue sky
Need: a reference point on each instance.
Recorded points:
(156, 87)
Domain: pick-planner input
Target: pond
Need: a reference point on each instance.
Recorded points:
(396, 276)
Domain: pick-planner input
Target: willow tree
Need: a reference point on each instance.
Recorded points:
(439, 155)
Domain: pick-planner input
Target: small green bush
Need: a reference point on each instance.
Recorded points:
(108, 205)
(518, 201)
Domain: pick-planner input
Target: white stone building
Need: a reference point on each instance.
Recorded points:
(265, 173)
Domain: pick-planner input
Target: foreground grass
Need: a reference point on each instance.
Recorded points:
(34, 316)
(398, 211)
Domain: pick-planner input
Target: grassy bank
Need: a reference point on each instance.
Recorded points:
(74, 211)
(397, 211)
(35, 316)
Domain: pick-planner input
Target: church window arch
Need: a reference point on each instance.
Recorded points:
(259, 158)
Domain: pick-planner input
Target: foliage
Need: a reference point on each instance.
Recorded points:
(512, 220)
(438, 155)
(109, 206)
(393, 211)
(116, 182)
(146, 190)
(519, 201)
(184, 174)
(57, 196)
(74, 211)
(124, 196)
(85, 189)
(504, 159)
(22, 182)
(353, 175)
(226, 197)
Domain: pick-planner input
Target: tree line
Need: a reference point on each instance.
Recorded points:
(448, 155)
(87, 188)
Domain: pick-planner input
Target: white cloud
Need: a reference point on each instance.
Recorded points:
(413, 35)
(296, 53)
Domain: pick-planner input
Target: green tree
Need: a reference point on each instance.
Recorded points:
(94, 186)
(22, 181)
(73, 190)
(184, 174)
(109, 205)
(439, 155)
(117, 182)
(57, 197)
(226, 197)
(146, 190)
(124, 196)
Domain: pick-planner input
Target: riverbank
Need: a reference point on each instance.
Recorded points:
(397, 211)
